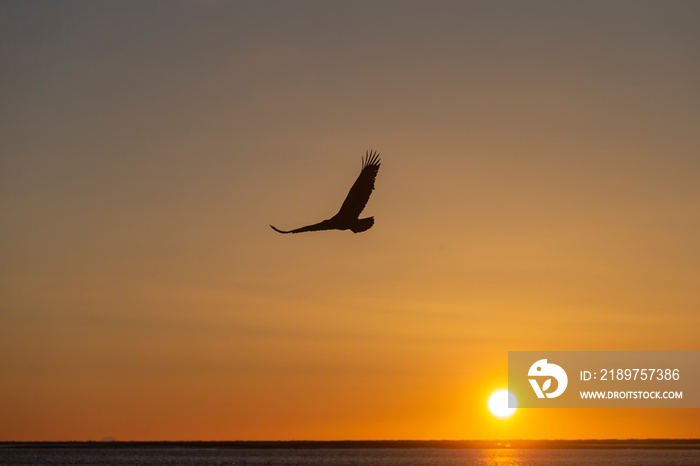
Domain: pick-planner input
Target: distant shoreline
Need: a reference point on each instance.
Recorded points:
(646, 444)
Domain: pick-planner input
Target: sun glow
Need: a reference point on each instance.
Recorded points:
(498, 403)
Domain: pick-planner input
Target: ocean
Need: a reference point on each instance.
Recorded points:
(150, 456)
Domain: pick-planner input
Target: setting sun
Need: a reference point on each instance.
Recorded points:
(498, 403)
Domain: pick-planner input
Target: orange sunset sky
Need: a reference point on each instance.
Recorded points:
(538, 191)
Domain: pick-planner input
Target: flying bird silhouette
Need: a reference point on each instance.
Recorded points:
(347, 217)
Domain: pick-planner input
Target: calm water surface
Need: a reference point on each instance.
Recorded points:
(344, 457)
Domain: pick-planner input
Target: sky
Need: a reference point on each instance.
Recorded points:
(538, 191)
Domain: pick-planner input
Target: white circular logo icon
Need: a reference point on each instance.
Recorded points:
(542, 369)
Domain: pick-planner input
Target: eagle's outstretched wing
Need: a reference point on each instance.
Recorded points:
(324, 225)
(358, 196)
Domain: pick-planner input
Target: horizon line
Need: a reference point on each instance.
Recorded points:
(631, 443)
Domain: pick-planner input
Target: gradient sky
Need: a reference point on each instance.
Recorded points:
(538, 191)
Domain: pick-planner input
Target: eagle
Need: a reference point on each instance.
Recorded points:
(347, 217)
